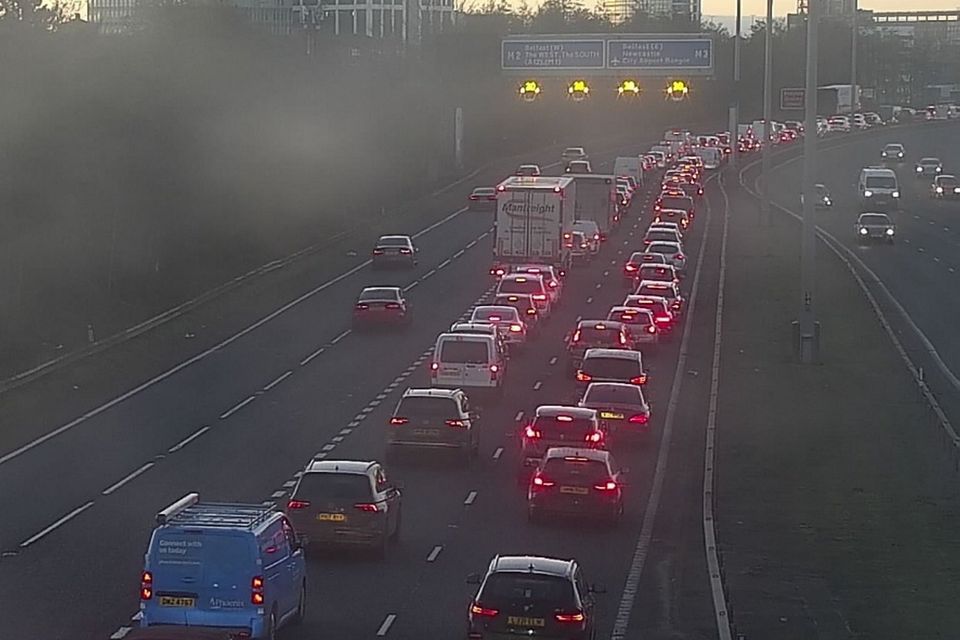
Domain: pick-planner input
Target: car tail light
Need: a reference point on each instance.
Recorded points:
(362, 306)
(640, 418)
(679, 256)
(594, 437)
(531, 433)
(378, 252)
(553, 284)
(596, 236)
(630, 267)
(531, 311)
(494, 371)
(675, 305)
(569, 617)
(295, 505)
(434, 366)
(539, 296)
(398, 420)
(641, 379)
(516, 328)
(393, 305)
(623, 338)
(541, 480)
(584, 377)
(609, 485)
(455, 423)
(256, 590)
(368, 507)
(652, 328)
(405, 251)
(146, 585)
(486, 612)
(576, 336)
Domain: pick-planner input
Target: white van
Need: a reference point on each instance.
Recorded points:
(467, 361)
(878, 189)
(628, 166)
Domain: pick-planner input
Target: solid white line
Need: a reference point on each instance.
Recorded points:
(180, 445)
(385, 627)
(498, 453)
(120, 633)
(278, 381)
(73, 514)
(631, 586)
(433, 554)
(470, 498)
(518, 417)
(715, 577)
(230, 412)
(127, 479)
(312, 356)
(537, 385)
(19, 451)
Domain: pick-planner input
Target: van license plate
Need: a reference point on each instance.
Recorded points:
(580, 491)
(177, 601)
(609, 415)
(426, 432)
(331, 517)
(523, 621)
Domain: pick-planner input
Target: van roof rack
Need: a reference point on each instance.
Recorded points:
(188, 510)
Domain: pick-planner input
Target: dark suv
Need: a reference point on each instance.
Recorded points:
(532, 597)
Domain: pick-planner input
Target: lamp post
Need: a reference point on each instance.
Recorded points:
(809, 328)
(735, 106)
(767, 107)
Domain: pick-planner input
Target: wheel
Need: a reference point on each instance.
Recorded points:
(301, 613)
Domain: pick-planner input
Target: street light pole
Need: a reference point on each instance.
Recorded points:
(854, 33)
(809, 338)
(735, 107)
(767, 126)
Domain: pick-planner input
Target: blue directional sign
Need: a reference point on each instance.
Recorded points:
(661, 55)
(540, 54)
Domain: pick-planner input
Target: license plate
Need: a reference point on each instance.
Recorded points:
(580, 491)
(331, 517)
(177, 601)
(426, 432)
(609, 415)
(523, 621)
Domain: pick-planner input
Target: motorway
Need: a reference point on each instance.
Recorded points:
(240, 418)
(922, 269)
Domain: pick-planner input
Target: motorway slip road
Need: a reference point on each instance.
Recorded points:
(838, 509)
(237, 426)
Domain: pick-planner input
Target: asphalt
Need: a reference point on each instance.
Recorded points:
(235, 425)
(837, 505)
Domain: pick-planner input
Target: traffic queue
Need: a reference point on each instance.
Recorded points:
(239, 570)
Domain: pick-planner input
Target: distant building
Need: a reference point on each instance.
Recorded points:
(619, 11)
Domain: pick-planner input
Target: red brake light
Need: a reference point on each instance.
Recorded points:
(362, 306)
(553, 284)
(368, 507)
(455, 423)
(539, 296)
(623, 338)
(540, 480)
(640, 418)
(576, 336)
(293, 505)
(397, 420)
(630, 267)
(516, 328)
(679, 256)
(434, 366)
(531, 433)
(652, 328)
(146, 585)
(486, 612)
(405, 251)
(378, 252)
(256, 590)
(531, 311)
(642, 379)
(584, 377)
(569, 617)
(609, 485)
(393, 305)
(594, 437)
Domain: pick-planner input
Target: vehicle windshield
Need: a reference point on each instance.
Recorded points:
(881, 182)
(607, 335)
(613, 394)
(630, 316)
(654, 234)
(666, 249)
(893, 148)
(563, 427)
(874, 218)
(464, 351)
(372, 295)
(653, 290)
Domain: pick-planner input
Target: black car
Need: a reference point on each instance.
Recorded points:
(532, 597)
(580, 482)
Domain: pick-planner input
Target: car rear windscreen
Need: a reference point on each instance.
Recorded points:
(378, 294)
(527, 285)
(666, 236)
(947, 182)
(509, 313)
(676, 202)
(666, 292)
(415, 406)
(881, 182)
(607, 335)
(613, 394)
(391, 241)
(582, 471)
(502, 589)
(665, 249)
(336, 487)
(464, 352)
(613, 368)
(570, 427)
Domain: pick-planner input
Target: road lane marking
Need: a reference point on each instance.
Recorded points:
(537, 385)
(196, 434)
(436, 552)
(590, 300)
(387, 623)
(443, 264)
(312, 356)
(278, 380)
(470, 498)
(327, 448)
(127, 479)
(289, 484)
(498, 453)
(518, 417)
(346, 431)
(237, 407)
(278, 494)
(337, 439)
(73, 514)
(553, 360)
(120, 633)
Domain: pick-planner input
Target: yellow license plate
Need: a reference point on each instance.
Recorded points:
(521, 621)
(177, 601)
(580, 491)
(331, 517)
(609, 415)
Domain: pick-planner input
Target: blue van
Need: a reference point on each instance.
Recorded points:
(234, 566)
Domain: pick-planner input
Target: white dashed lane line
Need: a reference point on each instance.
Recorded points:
(498, 453)
(553, 360)
(518, 417)
(193, 436)
(127, 479)
(385, 627)
(229, 412)
(340, 337)
(433, 554)
(278, 380)
(537, 385)
(70, 516)
(313, 355)
(470, 498)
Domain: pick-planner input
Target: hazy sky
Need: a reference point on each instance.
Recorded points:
(782, 7)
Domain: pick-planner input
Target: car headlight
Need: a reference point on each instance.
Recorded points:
(863, 231)
(895, 194)
(900, 155)
(919, 169)
(939, 189)
(827, 201)
(956, 189)
(867, 193)
(938, 169)
(889, 232)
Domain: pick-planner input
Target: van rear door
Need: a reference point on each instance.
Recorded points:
(466, 360)
(198, 571)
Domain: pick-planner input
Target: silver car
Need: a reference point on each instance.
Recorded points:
(673, 251)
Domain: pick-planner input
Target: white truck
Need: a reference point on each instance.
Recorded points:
(629, 166)
(596, 199)
(532, 216)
